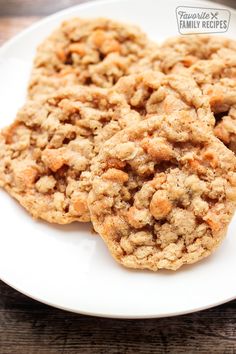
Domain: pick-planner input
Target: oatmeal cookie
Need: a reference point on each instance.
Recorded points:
(45, 154)
(169, 195)
(211, 62)
(154, 93)
(179, 53)
(217, 80)
(225, 128)
(88, 52)
(184, 51)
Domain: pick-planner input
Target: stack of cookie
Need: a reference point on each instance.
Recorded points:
(140, 139)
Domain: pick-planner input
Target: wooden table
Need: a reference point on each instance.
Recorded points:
(27, 326)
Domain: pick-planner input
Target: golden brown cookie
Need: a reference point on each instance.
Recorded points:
(168, 196)
(154, 93)
(89, 52)
(217, 80)
(211, 62)
(184, 51)
(45, 154)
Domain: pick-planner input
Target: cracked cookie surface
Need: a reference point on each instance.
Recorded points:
(217, 80)
(151, 93)
(89, 52)
(184, 51)
(211, 62)
(168, 196)
(45, 154)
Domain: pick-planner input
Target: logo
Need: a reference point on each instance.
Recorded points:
(202, 20)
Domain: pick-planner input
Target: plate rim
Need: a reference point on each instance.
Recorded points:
(116, 316)
(4, 48)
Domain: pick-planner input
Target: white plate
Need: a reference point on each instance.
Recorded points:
(68, 266)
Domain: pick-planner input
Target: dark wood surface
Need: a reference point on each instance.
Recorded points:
(27, 326)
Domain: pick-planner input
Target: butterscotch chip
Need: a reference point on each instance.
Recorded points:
(45, 155)
(87, 51)
(160, 206)
(176, 213)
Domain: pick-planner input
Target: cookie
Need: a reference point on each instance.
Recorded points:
(154, 93)
(225, 128)
(217, 80)
(89, 52)
(182, 52)
(169, 196)
(179, 53)
(211, 62)
(45, 154)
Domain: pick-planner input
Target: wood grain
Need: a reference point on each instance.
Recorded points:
(34, 7)
(10, 26)
(28, 327)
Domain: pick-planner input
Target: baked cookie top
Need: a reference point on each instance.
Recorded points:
(45, 154)
(184, 51)
(163, 193)
(178, 53)
(216, 78)
(211, 62)
(89, 52)
(154, 93)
